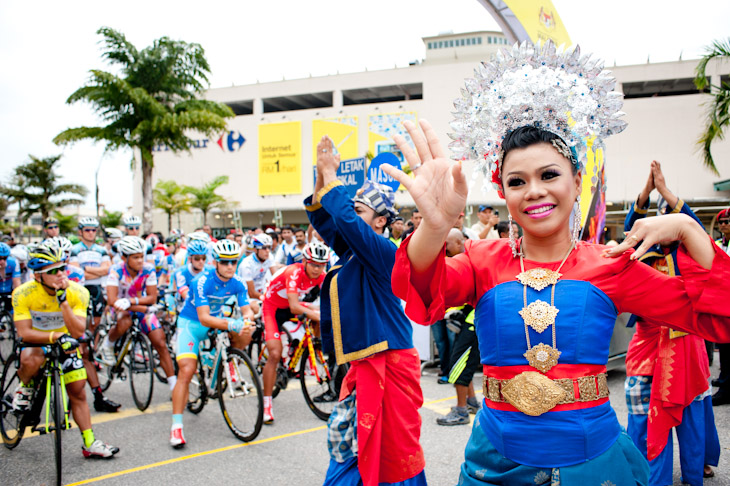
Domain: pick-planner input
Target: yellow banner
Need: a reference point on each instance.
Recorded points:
(540, 20)
(342, 131)
(382, 128)
(280, 158)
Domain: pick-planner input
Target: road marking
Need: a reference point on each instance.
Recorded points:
(212, 451)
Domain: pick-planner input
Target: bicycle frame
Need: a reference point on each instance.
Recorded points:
(308, 343)
(222, 343)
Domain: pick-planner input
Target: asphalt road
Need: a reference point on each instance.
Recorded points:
(293, 450)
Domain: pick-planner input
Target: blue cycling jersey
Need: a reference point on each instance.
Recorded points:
(208, 289)
(12, 270)
(183, 277)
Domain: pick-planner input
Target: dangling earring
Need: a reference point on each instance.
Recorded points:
(577, 218)
(512, 236)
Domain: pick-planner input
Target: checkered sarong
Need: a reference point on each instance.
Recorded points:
(342, 430)
(638, 393)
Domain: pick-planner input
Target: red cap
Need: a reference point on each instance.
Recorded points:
(725, 213)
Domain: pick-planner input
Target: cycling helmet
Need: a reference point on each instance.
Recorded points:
(260, 241)
(226, 250)
(4, 250)
(197, 247)
(49, 221)
(88, 222)
(20, 253)
(62, 242)
(317, 252)
(130, 245)
(171, 240)
(153, 240)
(200, 236)
(114, 234)
(132, 221)
(177, 233)
(45, 254)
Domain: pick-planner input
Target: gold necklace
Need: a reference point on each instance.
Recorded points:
(540, 315)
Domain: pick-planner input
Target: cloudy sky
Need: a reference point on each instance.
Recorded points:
(47, 49)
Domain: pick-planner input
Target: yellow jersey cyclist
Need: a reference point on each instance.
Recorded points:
(203, 309)
(51, 309)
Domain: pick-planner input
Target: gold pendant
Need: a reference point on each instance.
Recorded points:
(539, 315)
(539, 278)
(542, 357)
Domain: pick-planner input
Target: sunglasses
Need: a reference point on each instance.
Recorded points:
(228, 262)
(198, 258)
(89, 230)
(723, 221)
(132, 227)
(52, 227)
(54, 271)
(3, 258)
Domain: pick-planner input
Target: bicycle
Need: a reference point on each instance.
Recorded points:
(320, 377)
(228, 374)
(48, 392)
(167, 316)
(133, 353)
(7, 329)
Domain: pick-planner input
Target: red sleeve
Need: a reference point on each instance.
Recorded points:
(292, 277)
(451, 283)
(693, 302)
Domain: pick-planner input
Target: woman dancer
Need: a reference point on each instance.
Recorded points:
(546, 303)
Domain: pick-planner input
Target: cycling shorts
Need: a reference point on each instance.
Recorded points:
(96, 300)
(147, 322)
(189, 335)
(274, 319)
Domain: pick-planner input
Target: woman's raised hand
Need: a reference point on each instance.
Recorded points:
(439, 188)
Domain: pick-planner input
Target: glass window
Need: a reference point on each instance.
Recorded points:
(468, 41)
(489, 39)
(479, 40)
(429, 45)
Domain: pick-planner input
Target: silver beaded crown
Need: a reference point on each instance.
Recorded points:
(558, 91)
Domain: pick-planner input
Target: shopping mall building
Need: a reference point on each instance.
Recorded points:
(268, 152)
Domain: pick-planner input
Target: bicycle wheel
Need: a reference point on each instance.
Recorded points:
(141, 379)
(197, 390)
(103, 371)
(58, 416)
(242, 400)
(317, 384)
(11, 423)
(7, 336)
(259, 356)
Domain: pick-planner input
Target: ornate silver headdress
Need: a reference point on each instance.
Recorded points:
(558, 91)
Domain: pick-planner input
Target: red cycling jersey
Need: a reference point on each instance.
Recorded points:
(290, 280)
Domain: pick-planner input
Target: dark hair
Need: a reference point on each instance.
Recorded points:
(526, 136)
(415, 210)
(287, 228)
(299, 230)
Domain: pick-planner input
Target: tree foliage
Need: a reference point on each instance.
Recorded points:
(37, 188)
(67, 224)
(718, 116)
(155, 100)
(204, 198)
(111, 219)
(171, 198)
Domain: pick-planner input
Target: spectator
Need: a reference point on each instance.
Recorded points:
(488, 219)
(396, 231)
(502, 228)
(459, 224)
(296, 255)
(286, 246)
(414, 222)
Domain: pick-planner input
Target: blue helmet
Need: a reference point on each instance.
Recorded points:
(197, 247)
(4, 250)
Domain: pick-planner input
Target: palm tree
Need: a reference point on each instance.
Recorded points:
(66, 224)
(111, 219)
(205, 198)
(36, 188)
(172, 199)
(153, 102)
(718, 118)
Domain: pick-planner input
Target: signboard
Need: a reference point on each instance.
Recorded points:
(534, 20)
(342, 131)
(381, 130)
(376, 174)
(351, 173)
(280, 158)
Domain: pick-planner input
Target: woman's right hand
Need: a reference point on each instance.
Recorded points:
(439, 188)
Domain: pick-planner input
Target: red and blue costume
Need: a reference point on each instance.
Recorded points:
(575, 441)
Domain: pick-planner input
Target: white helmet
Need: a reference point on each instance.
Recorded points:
(88, 223)
(132, 221)
(199, 235)
(114, 234)
(130, 245)
(62, 242)
(261, 240)
(226, 250)
(20, 253)
(317, 252)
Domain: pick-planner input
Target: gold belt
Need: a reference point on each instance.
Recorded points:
(533, 393)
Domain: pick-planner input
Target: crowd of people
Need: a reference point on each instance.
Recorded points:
(524, 300)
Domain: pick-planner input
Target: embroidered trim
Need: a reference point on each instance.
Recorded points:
(321, 193)
(343, 358)
(313, 207)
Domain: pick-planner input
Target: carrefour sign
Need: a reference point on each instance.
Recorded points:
(229, 142)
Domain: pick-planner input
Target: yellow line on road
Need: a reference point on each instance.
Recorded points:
(205, 453)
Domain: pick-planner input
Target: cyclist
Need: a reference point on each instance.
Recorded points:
(284, 300)
(113, 236)
(9, 274)
(20, 254)
(51, 228)
(51, 309)
(132, 225)
(95, 262)
(157, 255)
(197, 254)
(132, 290)
(256, 269)
(203, 309)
